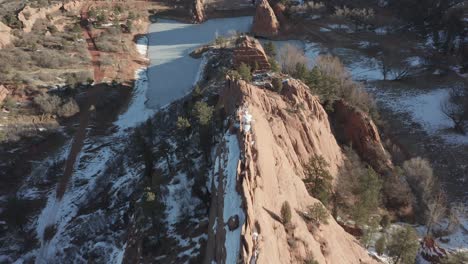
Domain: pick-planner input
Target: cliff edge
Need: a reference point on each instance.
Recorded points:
(277, 134)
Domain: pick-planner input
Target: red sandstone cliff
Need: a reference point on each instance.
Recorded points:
(358, 129)
(284, 132)
(265, 23)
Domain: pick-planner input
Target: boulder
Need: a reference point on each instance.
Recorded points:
(265, 23)
(5, 35)
(3, 93)
(233, 222)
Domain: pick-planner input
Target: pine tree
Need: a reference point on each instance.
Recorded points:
(270, 49)
(368, 192)
(403, 246)
(319, 180)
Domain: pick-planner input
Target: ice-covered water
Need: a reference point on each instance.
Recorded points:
(172, 71)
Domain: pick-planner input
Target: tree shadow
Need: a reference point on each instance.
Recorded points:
(273, 215)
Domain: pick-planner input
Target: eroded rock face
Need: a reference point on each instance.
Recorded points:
(265, 23)
(198, 11)
(5, 35)
(3, 93)
(358, 129)
(29, 15)
(284, 131)
(250, 51)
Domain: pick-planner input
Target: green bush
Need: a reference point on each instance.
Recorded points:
(277, 84)
(286, 212)
(318, 214)
(245, 72)
(380, 245)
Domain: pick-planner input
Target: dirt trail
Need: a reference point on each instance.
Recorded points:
(80, 134)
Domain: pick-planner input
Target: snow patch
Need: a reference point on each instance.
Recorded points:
(232, 199)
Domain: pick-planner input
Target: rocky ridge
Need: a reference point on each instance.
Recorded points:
(282, 133)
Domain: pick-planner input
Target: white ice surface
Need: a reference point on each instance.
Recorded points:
(172, 71)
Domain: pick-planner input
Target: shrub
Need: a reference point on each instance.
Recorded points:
(286, 213)
(53, 104)
(274, 65)
(270, 49)
(245, 72)
(318, 214)
(310, 259)
(68, 109)
(385, 221)
(380, 245)
(456, 258)
(318, 179)
(403, 245)
(9, 103)
(277, 84)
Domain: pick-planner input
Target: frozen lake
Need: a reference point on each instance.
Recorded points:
(172, 72)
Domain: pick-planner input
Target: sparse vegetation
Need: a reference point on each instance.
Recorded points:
(286, 212)
(53, 104)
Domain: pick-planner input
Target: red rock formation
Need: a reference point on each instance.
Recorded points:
(198, 11)
(284, 132)
(3, 93)
(250, 51)
(360, 131)
(29, 15)
(265, 23)
(5, 35)
(430, 251)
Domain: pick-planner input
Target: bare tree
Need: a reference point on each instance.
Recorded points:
(290, 56)
(436, 211)
(455, 107)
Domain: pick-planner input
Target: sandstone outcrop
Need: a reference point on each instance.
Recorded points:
(29, 15)
(198, 11)
(265, 23)
(358, 129)
(3, 93)
(284, 131)
(5, 35)
(249, 51)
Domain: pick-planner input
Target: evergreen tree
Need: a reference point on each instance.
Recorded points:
(403, 246)
(368, 193)
(270, 49)
(245, 72)
(319, 180)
